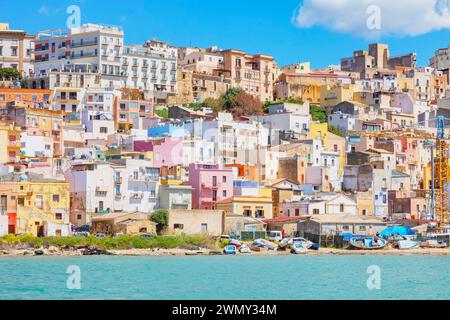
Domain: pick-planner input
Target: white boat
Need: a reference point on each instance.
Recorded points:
(245, 249)
(408, 244)
(298, 248)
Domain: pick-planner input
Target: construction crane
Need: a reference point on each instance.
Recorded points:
(439, 162)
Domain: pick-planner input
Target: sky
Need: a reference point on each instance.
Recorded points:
(319, 31)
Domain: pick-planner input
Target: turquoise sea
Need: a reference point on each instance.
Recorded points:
(221, 277)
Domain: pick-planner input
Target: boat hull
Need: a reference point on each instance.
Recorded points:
(368, 243)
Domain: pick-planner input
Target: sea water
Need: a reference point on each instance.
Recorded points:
(227, 277)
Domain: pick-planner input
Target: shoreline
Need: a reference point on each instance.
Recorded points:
(57, 252)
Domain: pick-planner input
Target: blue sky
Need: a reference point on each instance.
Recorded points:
(256, 26)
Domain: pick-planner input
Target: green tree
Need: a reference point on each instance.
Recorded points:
(230, 96)
(162, 112)
(161, 218)
(9, 74)
(335, 130)
(318, 113)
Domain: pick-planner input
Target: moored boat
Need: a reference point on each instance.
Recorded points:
(298, 248)
(245, 249)
(433, 244)
(230, 250)
(408, 244)
(368, 243)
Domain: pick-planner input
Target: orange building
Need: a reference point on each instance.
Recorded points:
(24, 95)
(245, 171)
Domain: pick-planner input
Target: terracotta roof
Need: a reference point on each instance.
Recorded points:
(285, 219)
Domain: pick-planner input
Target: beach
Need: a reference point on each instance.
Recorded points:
(73, 252)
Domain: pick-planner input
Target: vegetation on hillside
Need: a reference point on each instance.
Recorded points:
(121, 242)
(335, 130)
(9, 74)
(162, 112)
(318, 113)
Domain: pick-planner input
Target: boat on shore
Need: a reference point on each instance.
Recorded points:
(406, 244)
(368, 243)
(433, 244)
(230, 250)
(298, 248)
(245, 249)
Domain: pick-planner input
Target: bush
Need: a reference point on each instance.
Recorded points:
(122, 242)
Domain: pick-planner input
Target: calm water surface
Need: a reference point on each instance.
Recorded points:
(251, 277)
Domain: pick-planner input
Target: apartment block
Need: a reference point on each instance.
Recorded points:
(16, 50)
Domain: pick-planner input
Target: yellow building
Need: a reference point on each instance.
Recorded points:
(251, 207)
(330, 141)
(333, 95)
(42, 204)
(10, 142)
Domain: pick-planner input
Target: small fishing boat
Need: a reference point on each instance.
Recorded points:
(265, 244)
(298, 248)
(235, 243)
(315, 247)
(230, 250)
(245, 249)
(406, 243)
(288, 242)
(368, 243)
(433, 244)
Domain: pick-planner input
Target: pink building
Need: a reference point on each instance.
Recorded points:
(166, 152)
(210, 184)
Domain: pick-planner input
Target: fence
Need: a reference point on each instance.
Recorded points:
(252, 235)
(327, 241)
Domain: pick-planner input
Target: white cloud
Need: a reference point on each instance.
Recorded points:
(44, 10)
(398, 17)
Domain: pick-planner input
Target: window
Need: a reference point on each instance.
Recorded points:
(224, 179)
(58, 216)
(21, 202)
(39, 202)
(79, 217)
(56, 198)
(103, 130)
(247, 213)
(341, 208)
(204, 228)
(224, 193)
(178, 226)
(345, 228)
(362, 228)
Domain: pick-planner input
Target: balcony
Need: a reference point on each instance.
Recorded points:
(84, 44)
(84, 55)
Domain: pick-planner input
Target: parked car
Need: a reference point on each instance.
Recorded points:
(100, 235)
(120, 234)
(224, 237)
(276, 236)
(81, 234)
(147, 235)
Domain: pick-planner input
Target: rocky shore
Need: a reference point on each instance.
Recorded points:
(92, 250)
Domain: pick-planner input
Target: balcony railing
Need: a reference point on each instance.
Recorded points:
(84, 43)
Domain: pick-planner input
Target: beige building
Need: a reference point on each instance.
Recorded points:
(196, 221)
(16, 50)
(256, 74)
(206, 86)
(122, 222)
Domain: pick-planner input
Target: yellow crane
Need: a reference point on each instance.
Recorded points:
(439, 162)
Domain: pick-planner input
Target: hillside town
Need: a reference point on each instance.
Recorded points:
(97, 134)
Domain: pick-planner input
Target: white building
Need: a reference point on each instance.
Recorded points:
(90, 48)
(152, 67)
